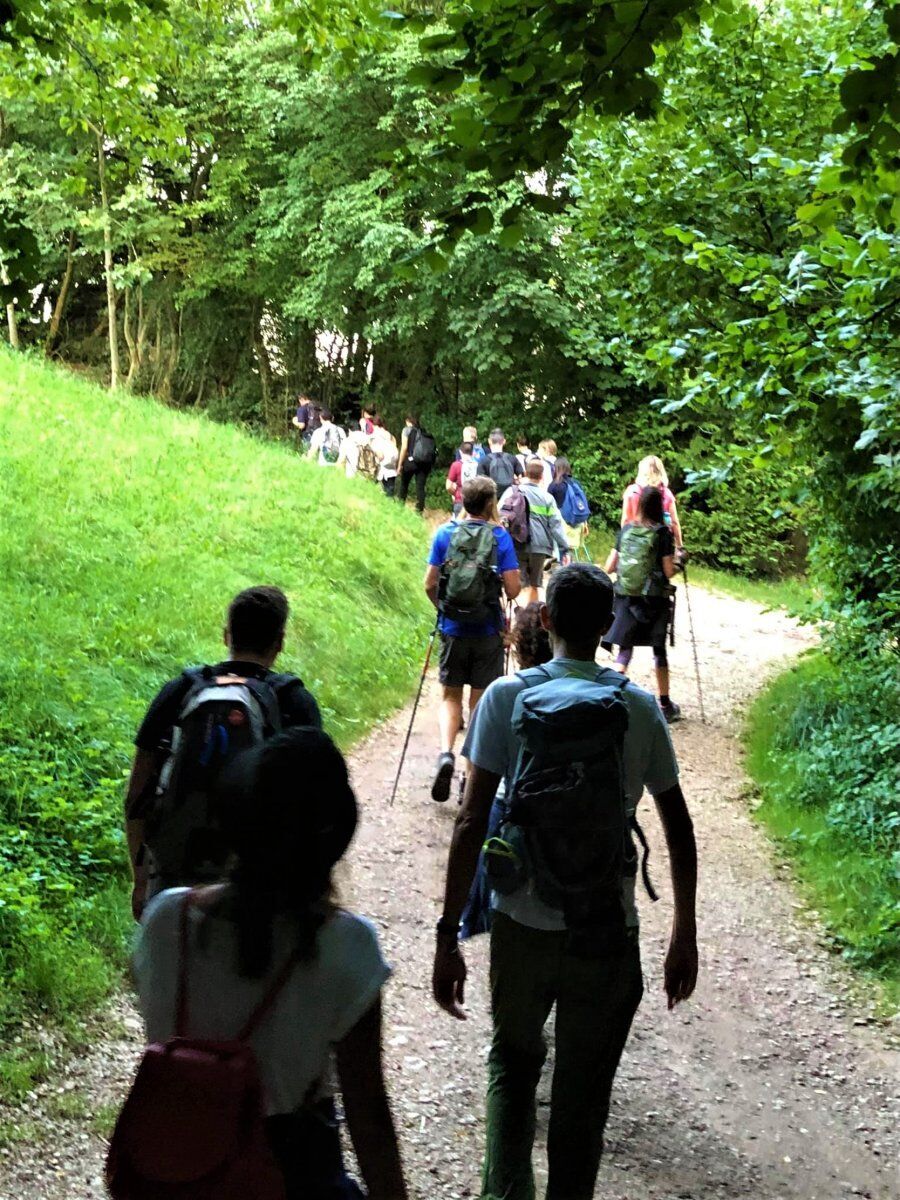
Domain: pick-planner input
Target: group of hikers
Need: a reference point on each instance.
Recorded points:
(254, 983)
(370, 450)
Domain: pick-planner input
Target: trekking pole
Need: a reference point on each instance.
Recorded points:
(687, 596)
(413, 717)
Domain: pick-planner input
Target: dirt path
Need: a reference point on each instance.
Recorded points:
(773, 1083)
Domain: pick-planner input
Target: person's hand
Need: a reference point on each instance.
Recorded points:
(448, 979)
(680, 968)
(681, 556)
(566, 560)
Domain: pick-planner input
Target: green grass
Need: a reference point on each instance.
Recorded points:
(792, 592)
(824, 750)
(125, 528)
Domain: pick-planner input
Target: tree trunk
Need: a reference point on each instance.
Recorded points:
(108, 265)
(60, 306)
(10, 311)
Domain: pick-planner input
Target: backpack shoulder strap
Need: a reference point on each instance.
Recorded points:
(534, 676)
(182, 1005)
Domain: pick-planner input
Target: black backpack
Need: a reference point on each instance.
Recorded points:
(501, 469)
(424, 451)
(470, 585)
(220, 716)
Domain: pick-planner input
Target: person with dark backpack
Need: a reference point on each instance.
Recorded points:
(194, 728)
(418, 454)
(251, 990)
(471, 564)
(644, 560)
(577, 745)
(503, 468)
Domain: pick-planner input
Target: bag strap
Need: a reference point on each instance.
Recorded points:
(182, 1004)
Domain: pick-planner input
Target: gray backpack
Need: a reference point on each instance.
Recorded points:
(220, 717)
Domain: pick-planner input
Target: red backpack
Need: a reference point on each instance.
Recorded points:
(193, 1124)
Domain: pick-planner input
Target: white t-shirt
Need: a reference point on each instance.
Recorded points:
(321, 1002)
(331, 433)
(350, 451)
(649, 762)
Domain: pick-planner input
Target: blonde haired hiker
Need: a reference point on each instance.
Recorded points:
(652, 473)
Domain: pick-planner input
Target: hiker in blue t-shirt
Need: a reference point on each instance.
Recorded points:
(472, 562)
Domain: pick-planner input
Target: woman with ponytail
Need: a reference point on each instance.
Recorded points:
(292, 817)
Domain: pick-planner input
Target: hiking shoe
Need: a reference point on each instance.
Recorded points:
(440, 789)
(671, 712)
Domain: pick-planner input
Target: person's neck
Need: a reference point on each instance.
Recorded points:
(259, 660)
(586, 652)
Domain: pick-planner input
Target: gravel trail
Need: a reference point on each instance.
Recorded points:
(777, 1081)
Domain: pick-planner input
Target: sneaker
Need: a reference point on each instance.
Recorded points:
(440, 789)
(671, 712)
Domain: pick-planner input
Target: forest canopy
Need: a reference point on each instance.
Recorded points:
(655, 226)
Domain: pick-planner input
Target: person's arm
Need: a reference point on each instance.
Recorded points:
(432, 583)
(315, 443)
(626, 508)
(449, 974)
(680, 969)
(452, 481)
(512, 583)
(668, 565)
(367, 1109)
(676, 525)
(143, 770)
(612, 562)
(484, 466)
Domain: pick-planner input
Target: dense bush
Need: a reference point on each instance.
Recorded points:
(825, 747)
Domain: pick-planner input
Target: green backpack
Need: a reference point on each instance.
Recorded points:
(638, 572)
(470, 585)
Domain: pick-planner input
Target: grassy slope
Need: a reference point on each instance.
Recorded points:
(125, 528)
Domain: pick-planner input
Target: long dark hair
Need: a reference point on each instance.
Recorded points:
(650, 506)
(561, 468)
(291, 816)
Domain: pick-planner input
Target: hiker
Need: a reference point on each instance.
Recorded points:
(357, 456)
(307, 418)
(498, 465)
(547, 454)
(530, 643)
(652, 473)
(384, 447)
(572, 503)
(418, 454)
(576, 744)
(523, 453)
(367, 419)
(470, 434)
(462, 469)
(271, 942)
(471, 563)
(173, 736)
(325, 443)
(644, 562)
(546, 532)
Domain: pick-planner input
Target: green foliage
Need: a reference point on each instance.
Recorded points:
(126, 528)
(825, 749)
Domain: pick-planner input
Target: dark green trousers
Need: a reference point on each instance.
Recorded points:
(596, 996)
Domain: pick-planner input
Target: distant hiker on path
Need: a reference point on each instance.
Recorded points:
(565, 926)
(471, 563)
(173, 835)
(418, 454)
(652, 473)
(523, 452)
(384, 446)
(357, 456)
(574, 505)
(462, 469)
(271, 942)
(470, 434)
(325, 444)
(546, 532)
(644, 562)
(307, 418)
(547, 454)
(503, 468)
